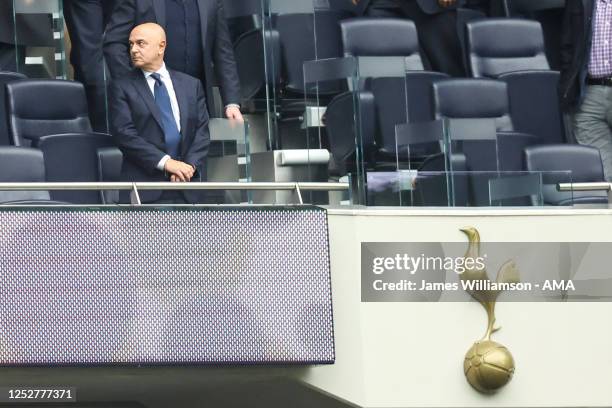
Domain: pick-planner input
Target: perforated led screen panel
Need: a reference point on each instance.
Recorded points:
(165, 286)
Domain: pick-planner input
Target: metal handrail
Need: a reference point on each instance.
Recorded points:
(134, 187)
(600, 186)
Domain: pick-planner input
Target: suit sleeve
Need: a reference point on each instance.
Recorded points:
(567, 40)
(134, 147)
(116, 38)
(224, 60)
(199, 146)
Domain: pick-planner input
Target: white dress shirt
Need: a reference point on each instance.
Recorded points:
(165, 78)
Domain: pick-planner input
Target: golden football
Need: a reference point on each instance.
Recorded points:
(488, 366)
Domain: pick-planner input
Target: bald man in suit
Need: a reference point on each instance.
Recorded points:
(159, 120)
(200, 44)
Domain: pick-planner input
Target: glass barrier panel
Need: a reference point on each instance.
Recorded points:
(330, 153)
(384, 85)
(257, 53)
(298, 33)
(477, 189)
(39, 38)
(229, 160)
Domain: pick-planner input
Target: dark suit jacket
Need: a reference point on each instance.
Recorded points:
(575, 45)
(428, 6)
(218, 50)
(136, 126)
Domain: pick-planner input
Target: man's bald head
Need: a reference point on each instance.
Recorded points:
(147, 46)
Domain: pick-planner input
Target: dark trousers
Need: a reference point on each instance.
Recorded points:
(9, 54)
(438, 33)
(86, 21)
(171, 197)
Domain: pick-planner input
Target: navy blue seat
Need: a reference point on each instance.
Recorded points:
(24, 165)
(298, 45)
(110, 160)
(513, 50)
(73, 157)
(304, 37)
(585, 165)
(38, 108)
(483, 100)
(500, 45)
(549, 13)
(5, 78)
(401, 94)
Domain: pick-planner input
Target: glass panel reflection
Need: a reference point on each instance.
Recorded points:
(476, 189)
(38, 38)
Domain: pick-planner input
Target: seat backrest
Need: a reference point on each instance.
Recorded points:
(498, 46)
(5, 78)
(304, 39)
(583, 161)
(382, 37)
(21, 164)
(73, 157)
(585, 165)
(473, 99)
(399, 98)
(251, 61)
(45, 107)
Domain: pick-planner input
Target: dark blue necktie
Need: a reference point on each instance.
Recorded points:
(172, 136)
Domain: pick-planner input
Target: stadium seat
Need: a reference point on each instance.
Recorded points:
(243, 16)
(382, 37)
(302, 40)
(305, 37)
(549, 13)
(110, 160)
(483, 99)
(402, 97)
(473, 98)
(5, 78)
(73, 157)
(45, 107)
(512, 50)
(339, 120)
(25, 165)
(250, 59)
(585, 165)
(499, 46)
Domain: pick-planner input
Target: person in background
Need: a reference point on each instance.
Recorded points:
(86, 21)
(32, 30)
(201, 44)
(585, 86)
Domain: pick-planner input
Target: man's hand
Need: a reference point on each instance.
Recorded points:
(178, 170)
(233, 112)
(447, 3)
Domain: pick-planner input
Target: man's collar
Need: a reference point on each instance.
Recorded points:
(163, 72)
